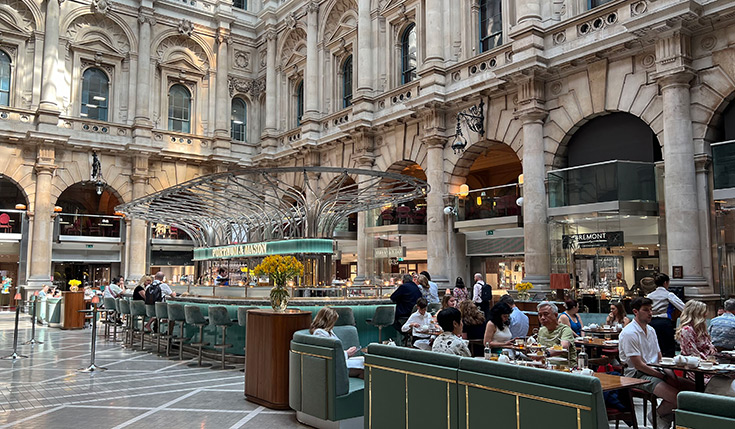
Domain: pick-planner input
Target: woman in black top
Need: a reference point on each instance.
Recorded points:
(139, 292)
(473, 325)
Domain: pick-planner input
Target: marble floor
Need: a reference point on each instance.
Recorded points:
(139, 389)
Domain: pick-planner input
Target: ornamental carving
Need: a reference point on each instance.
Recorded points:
(336, 15)
(97, 26)
(23, 17)
(101, 6)
(173, 46)
(242, 59)
(245, 86)
(186, 28)
(294, 38)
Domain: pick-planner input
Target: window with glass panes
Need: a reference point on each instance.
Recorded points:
(409, 56)
(4, 79)
(595, 3)
(347, 82)
(299, 103)
(238, 120)
(491, 24)
(95, 94)
(240, 4)
(179, 109)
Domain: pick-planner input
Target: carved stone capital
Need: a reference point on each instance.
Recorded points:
(674, 51)
(312, 7)
(675, 77)
(434, 142)
(224, 36)
(702, 162)
(271, 34)
(186, 27)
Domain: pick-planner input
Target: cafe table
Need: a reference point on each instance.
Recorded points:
(602, 332)
(599, 344)
(699, 373)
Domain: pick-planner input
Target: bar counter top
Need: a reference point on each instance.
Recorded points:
(293, 302)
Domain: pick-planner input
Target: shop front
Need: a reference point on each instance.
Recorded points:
(172, 253)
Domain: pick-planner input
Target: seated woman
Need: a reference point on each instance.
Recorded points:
(617, 315)
(497, 331)
(322, 327)
(571, 318)
(473, 322)
(449, 301)
(417, 321)
(449, 341)
(692, 331)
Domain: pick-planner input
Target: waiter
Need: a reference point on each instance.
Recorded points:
(665, 303)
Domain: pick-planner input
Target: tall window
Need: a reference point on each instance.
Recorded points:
(299, 103)
(179, 109)
(491, 24)
(238, 120)
(347, 82)
(409, 56)
(95, 94)
(4, 79)
(595, 3)
(240, 4)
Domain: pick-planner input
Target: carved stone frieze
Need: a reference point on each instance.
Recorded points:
(242, 59)
(186, 28)
(245, 86)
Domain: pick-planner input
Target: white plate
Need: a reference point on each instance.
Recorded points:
(557, 359)
(611, 342)
(724, 366)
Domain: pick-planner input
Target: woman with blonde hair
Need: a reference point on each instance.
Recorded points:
(692, 331)
(449, 301)
(322, 326)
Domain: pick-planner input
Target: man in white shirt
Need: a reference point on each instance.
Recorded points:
(416, 322)
(663, 307)
(165, 289)
(477, 289)
(638, 349)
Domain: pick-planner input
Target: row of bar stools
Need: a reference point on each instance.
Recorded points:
(137, 310)
(193, 315)
(219, 317)
(150, 313)
(123, 309)
(176, 314)
(162, 318)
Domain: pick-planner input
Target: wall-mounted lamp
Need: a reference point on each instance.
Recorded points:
(57, 209)
(464, 190)
(99, 182)
(20, 206)
(474, 119)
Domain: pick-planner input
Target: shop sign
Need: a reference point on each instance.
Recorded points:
(390, 252)
(490, 232)
(593, 239)
(284, 247)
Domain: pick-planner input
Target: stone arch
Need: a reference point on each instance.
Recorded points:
(461, 168)
(19, 186)
(81, 25)
(17, 166)
(111, 198)
(165, 174)
(171, 46)
(403, 145)
(22, 15)
(293, 47)
(78, 167)
(710, 96)
(600, 89)
(340, 12)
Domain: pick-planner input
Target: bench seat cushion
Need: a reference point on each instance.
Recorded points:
(353, 403)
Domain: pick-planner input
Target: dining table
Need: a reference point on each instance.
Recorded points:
(602, 332)
(699, 372)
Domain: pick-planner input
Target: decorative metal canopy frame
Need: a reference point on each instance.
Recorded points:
(261, 204)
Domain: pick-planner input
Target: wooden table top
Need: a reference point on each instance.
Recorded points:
(614, 382)
(711, 371)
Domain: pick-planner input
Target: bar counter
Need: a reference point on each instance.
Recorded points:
(293, 302)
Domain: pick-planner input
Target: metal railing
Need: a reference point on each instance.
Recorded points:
(89, 225)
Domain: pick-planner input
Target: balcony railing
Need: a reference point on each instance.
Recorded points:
(11, 222)
(402, 215)
(723, 164)
(494, 202)
(87, 225)
(164, 232)
(602, 182)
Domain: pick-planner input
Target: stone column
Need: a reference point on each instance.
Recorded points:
(50, 57)
(138, 240)
(270, 81)
(364, 159)
(436, 233)
(528, 10)
(222, 105)
(43, 207)
(435, 40)
(682, 218)
(143, 94)
(311, 81)
(364, 47)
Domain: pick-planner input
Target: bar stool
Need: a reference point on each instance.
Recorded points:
(346, 316)
(162, 316)
(137, 309)
(123, 309)
(176, 314)
(110, 311)
(242, 320)
(150, 312)
(220, 317)
(194, 317)
(384, 316)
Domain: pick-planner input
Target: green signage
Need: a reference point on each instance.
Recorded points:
(490, 232)
(283, 247)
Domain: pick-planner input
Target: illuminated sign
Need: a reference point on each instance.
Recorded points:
(284, 247)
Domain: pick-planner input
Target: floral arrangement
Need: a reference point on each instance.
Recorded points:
(523, 289)
(74, 285)
(280, 269)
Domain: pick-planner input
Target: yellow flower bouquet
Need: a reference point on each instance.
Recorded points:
(523, 288)
(74, 285)
(280, 269)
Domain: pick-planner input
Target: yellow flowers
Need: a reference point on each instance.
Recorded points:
(74, 282)
(280, 268)
(523, 287)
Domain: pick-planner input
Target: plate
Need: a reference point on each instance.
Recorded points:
(611, 342)
(557, 359)
(724, 367)
(556, 350)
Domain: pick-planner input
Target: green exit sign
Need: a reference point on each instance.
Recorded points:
(89, 246)
(490, 232)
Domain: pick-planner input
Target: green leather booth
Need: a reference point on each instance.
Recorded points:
(704, 411)
(409, 388)
(320, 390)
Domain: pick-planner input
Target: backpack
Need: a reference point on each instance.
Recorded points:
(153, 294)
(486, 294)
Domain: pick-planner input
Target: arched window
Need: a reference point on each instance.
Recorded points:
(179, 109)
(240, 4)
(409, 56)
(491, 24)
(4, 79)
(347, 82)
(95, 94)
(299, 102)
(238, 120)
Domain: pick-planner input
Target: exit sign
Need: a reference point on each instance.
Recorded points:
(89, 246)
(490, 232)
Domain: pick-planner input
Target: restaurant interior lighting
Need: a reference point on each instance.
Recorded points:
(20, 206)
(464, 190)
(99, 98)
(57, 209)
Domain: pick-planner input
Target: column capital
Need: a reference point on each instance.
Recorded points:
(145, 16)
(363, 146)
(681, 76)
(44, 168)
(531, 114)
(224, 36)
(271, 34)
(702, 162)
(312, 7)
(434, 142)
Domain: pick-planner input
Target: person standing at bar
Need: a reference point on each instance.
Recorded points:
(664, 305)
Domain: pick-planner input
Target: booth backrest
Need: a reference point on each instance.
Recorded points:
(703, 411)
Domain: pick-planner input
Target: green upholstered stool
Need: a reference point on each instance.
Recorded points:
(220, 318)
(346, 316)
(137, 310)
(177, 315)
(150, 313)
(195, 317)
(111, 317)
(123, 309)
(162, 316)
(384, 316)
(242, 320)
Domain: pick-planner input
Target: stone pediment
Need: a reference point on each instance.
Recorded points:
(8, 22)
(96, 44)
(181, 62)
(296, 56)
(343, 29)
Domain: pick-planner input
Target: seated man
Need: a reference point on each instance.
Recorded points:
(722, 328)
(450, 341)
(421, 318)
(639, 347)
(554, 334)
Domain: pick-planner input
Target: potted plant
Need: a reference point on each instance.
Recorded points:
(523, 288)
(280, 269)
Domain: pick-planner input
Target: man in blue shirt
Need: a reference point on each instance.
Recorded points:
(722, 328)
(518, 319)
(405, 297)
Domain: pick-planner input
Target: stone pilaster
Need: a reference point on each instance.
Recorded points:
(364, 48)
(138, 239)
(436, 231)
(364, 157)
(48, 111)
(40, 269)
(143, 87)
(531, 112)
(270, 81)
(223, 103)
(311, 80)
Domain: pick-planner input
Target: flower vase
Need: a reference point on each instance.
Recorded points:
(279, 298)
(524, 296)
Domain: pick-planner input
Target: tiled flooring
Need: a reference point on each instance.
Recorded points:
(139, 390)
